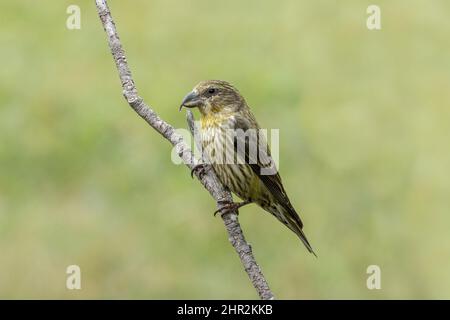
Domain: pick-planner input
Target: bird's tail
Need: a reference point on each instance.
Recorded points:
(289, 217)
(302, 236)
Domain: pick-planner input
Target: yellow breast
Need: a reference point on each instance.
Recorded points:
(212, 120)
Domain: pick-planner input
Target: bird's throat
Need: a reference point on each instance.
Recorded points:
(213, 120)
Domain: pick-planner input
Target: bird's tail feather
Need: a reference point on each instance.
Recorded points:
(290, 218)
(302, 236)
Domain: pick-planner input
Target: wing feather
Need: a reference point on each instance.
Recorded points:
(261, 162)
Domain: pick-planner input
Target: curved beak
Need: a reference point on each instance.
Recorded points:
(191, 100)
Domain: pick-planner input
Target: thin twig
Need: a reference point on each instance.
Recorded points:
(208, 179)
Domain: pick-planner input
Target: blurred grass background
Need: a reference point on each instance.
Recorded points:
(365, 125)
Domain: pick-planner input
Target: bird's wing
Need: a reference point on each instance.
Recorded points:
(262, 163)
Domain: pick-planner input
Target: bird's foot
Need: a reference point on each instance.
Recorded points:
(228, 207)
(200, 170)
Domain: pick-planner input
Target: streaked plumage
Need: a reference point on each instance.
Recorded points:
(222, 108)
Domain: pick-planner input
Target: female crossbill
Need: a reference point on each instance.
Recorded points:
(229, 137)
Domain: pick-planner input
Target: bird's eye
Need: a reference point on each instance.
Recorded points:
(212, 90)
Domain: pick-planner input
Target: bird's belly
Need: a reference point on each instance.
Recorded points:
(236, 176)
(239, 178)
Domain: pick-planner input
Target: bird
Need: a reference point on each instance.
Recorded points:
(229, 135)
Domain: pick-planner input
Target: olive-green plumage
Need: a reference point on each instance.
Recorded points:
(224, 110)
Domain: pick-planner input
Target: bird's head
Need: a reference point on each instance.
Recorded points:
(214, 96)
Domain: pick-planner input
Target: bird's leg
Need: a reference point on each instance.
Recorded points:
(227, 207)
(200, 169)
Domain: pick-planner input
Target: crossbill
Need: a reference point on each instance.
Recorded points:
(229, 136)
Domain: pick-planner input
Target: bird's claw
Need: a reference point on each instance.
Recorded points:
(229, 207)
(200, 169)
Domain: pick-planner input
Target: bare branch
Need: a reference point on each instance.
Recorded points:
(209, 180)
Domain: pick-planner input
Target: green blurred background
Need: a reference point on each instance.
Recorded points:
(365, 127)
